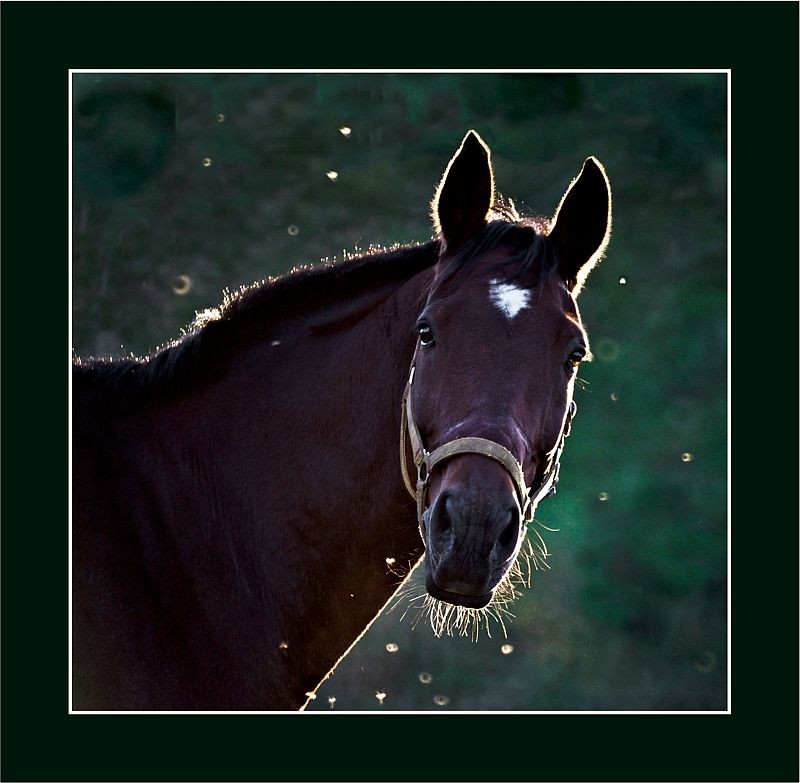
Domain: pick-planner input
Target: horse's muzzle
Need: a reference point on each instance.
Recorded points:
(458, 599)
(471, 539)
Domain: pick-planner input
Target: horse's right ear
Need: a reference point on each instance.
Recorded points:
(464, 195)
(581, 227)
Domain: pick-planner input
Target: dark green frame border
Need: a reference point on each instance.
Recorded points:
(41, 41)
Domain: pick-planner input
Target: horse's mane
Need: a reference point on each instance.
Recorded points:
(536, 260)
(203, 348)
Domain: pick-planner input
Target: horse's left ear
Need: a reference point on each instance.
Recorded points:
(581, 227)
(464, 195)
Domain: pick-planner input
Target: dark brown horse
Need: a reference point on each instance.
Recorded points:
(241, 497)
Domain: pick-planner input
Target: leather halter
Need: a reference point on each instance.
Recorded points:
(426, 461)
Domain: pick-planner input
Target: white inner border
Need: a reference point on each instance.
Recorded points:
(332, 713)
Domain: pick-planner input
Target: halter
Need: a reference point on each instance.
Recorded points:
(426, 461)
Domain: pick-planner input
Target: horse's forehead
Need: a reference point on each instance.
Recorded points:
(547, 300)
(516, 299)
(508, 298)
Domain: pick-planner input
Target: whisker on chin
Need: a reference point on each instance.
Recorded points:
(448, 619)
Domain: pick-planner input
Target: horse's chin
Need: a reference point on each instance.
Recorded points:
(468, 600)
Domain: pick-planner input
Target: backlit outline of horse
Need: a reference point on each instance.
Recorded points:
(239, 507)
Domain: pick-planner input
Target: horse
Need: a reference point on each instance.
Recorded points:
(249, 497)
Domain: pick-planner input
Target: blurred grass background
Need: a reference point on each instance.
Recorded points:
(184, 184)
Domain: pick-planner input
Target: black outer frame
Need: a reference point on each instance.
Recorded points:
(41, 41)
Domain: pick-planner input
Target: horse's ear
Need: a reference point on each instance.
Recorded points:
(581, 227)
(464, 195)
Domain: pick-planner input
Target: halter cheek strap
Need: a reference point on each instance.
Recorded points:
(426, 461)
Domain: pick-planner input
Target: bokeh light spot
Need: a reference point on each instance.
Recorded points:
(181, 285)
(606, 350)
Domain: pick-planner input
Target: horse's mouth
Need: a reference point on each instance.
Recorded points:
(458, 599)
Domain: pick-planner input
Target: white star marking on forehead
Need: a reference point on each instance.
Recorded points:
(508, 298)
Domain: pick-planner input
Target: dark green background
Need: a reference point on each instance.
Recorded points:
(758, 741)
(212, 180)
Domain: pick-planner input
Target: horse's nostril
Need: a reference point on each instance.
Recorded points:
(446, 512)
(508, 535)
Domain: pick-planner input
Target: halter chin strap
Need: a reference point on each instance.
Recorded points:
(426, 461)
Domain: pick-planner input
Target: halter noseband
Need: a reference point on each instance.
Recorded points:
(426, 461)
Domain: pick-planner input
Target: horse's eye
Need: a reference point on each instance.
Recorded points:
(425, 334)
(575, 358)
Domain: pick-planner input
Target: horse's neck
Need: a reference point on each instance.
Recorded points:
(296, 484)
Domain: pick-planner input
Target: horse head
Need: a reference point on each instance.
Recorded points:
(499, 341)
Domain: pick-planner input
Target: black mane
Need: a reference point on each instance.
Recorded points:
(536, 260)
(244, 315)
(203, 348)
